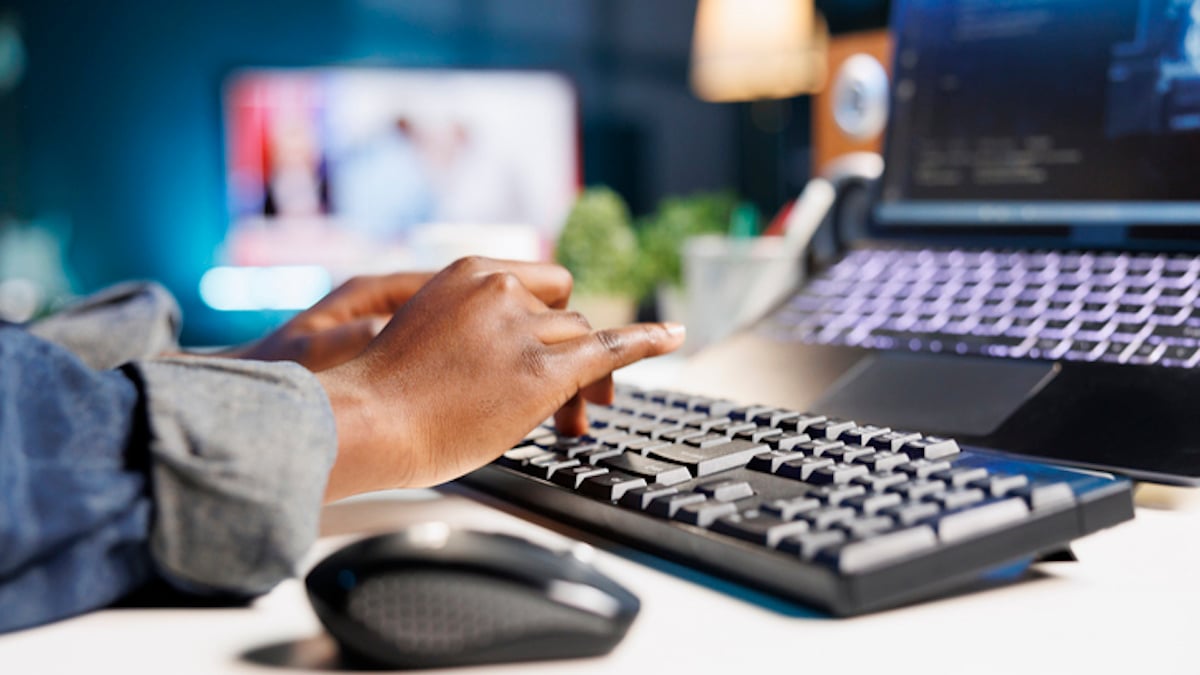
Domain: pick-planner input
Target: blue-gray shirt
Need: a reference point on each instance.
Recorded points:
(119, 466)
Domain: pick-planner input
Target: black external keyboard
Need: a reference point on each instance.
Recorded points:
(1113, 307)
(843, 516)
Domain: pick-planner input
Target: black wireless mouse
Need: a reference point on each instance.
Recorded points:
(432, 596)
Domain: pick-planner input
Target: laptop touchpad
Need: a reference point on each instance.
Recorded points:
(951, 395)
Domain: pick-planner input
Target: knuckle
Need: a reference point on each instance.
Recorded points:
(578, 318)
(567, 280)
(470, 263)
(656, 333)
(612, 342)
(504, 282)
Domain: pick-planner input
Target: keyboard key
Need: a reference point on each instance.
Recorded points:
(707, 423)
(769, 462)
(836, 493)
(663, 428)
(645, 445)
(802, 468)
(545, 468)
(611, 487)
(536, 433)
(930, 447)
(600, 453)
(773, 418)
(640, 498)
(923, 468)
(731, 428)
(861, 435)
(837, 473)
(653, 470)
(871, 504)
(962, 476)
(668, 505)
(999, 486)
(706, 441)
(749, 412)
(760, 434)
(681, 435)
(709, 460)
(523, 455)
(704, 514)
(883, 461)
(957, 499)
(817, 446)
(910, 513)
(982, 519)
(712, 408)
(574, 476)
(878, 482)
(828, 516)
(685, 418)
(1046, 497)
(866, 526)
(787, 440)
(885, 549)
(726, 490)
(808, 544)
(801, 423)
(760, 527)
(918, 489)
(623, 441)
(831, 428)
(847, 453)
(788, 509)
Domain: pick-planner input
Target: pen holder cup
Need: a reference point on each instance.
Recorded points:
(732, 282)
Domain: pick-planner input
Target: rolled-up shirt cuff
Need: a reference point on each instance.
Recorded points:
(240, 452)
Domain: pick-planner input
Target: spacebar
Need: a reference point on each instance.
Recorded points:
(705, 461)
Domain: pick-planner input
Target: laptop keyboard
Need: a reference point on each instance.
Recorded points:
(1112, 307)
(844, 516)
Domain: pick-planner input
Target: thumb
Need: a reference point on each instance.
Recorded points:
(594, 356)
(343, 342)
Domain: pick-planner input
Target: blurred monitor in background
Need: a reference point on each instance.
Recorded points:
(358, 170)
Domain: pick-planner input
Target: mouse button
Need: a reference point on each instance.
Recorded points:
(430, 613)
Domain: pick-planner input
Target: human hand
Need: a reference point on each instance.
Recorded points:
(341, 325)
(477, 358)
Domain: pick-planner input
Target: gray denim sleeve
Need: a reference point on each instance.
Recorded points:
(131, 320)
(240, 454)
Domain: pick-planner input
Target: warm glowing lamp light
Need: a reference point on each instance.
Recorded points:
(743, 50)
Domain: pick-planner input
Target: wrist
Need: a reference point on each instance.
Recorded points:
(352, 471)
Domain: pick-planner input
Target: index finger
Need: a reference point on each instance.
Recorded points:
(596, 355)
(372, 295)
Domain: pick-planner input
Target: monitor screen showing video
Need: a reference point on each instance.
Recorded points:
(365, 170)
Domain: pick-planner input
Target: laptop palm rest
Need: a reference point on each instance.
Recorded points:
(951, 395)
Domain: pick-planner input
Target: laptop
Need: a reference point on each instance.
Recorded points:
(1025, 274)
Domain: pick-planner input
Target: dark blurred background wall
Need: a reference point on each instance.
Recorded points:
(115, 128)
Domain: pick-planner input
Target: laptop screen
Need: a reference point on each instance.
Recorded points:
(1044, 112)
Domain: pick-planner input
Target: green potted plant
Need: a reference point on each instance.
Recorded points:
(599, 247)
(661, 239)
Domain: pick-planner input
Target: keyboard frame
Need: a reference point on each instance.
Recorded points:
(809, 583)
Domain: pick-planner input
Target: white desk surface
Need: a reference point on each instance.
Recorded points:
(1130, 604)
